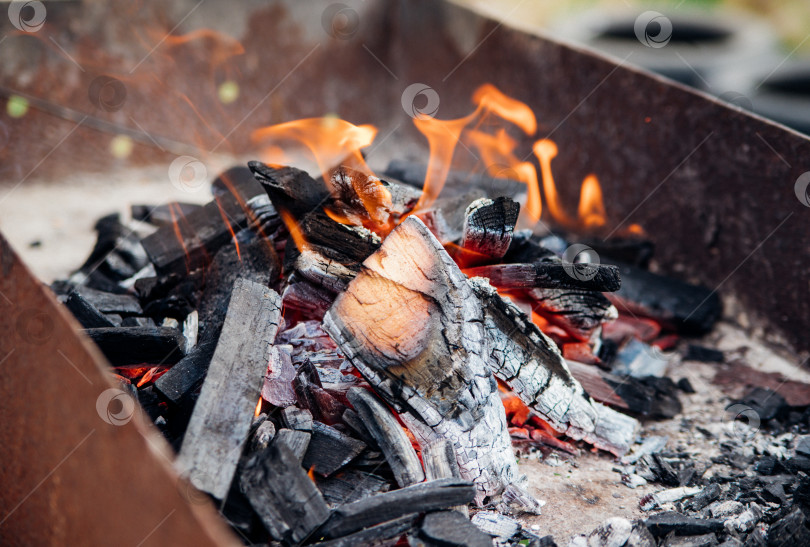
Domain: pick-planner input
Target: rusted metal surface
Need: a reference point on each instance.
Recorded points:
(70, 475)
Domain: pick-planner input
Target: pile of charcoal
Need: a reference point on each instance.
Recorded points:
(321, 382)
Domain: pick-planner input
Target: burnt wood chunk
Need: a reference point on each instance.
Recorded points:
(179, 382)
(222, 416)
(297, 418)
(381, 534)
(359, 195)
(410, 323)
(191, 241)
(329, 273)
(105, 302)
(330, 450)
(85, 313)
(290, 189)
(440, 462)
(237, 182)
(353, 242)
(532, 366)
(691, 309)
(579, 312)
(550, 275)
(452, 529)
(311, 395)
(297, 441)
(390, 437)
(133, 345)
(419, 498)
(488, 227)
(281, 493)
(350, 485)
(164, 214)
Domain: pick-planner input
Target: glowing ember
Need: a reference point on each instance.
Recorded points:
(258, 408)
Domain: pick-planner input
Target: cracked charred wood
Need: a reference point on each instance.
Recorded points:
(488, 227)
(690, 309)
(132, 345)
(532, 366)
(286, 500)
(381, 534)
(410, 323)
(179, 382)
(355, 243)
(325, 268)
(550, 275)
(390, 437)
(366, 196)
(419, 498)
(330, 450)
(222, 416)
(116, 256)
(440, 463)
(290, 189)
(579, 312)
(85, 313)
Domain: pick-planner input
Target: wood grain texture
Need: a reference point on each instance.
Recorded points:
(221, 419)
(532, 366)
(412, 326)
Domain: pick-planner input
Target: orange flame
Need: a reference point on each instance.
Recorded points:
(442, 136)
(228, 225)
(591, 207)
(491, 99)
(497, 151)
(258, 408)
(294, 229)
(311, 473)
(330, 140)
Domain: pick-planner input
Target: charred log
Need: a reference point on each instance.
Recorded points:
(410, 323)
(532, 366)
(222, 416)
(550, 275)
(488, 226)
(132, 345)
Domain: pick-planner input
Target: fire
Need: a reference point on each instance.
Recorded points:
(333, 142)
(258, 408)
(330, 140)
(311, 473)
(591, 207)
(294, 229)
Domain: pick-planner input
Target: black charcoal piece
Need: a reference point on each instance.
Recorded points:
(297, 418)
(703, 354)
(133, 345)
(351, 485)
(389, 435)
(767, 403)
(281, 493)
(550, 275)
(105, 302)
(662, 524)
(290, 189)
(426, 496)
(330, 450)
(691, 309)
(221, 420)
(789, 531)
(85, 313)
(297, 441)
(488, 227)
(164, 214)
(452, 529)
(381, 534)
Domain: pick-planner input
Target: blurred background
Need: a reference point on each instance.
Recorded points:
(754, 54)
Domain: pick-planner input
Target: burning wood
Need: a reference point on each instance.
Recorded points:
(488, 227)
(412, 326)
(532, 366)
(550, 275)
(221, 419)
